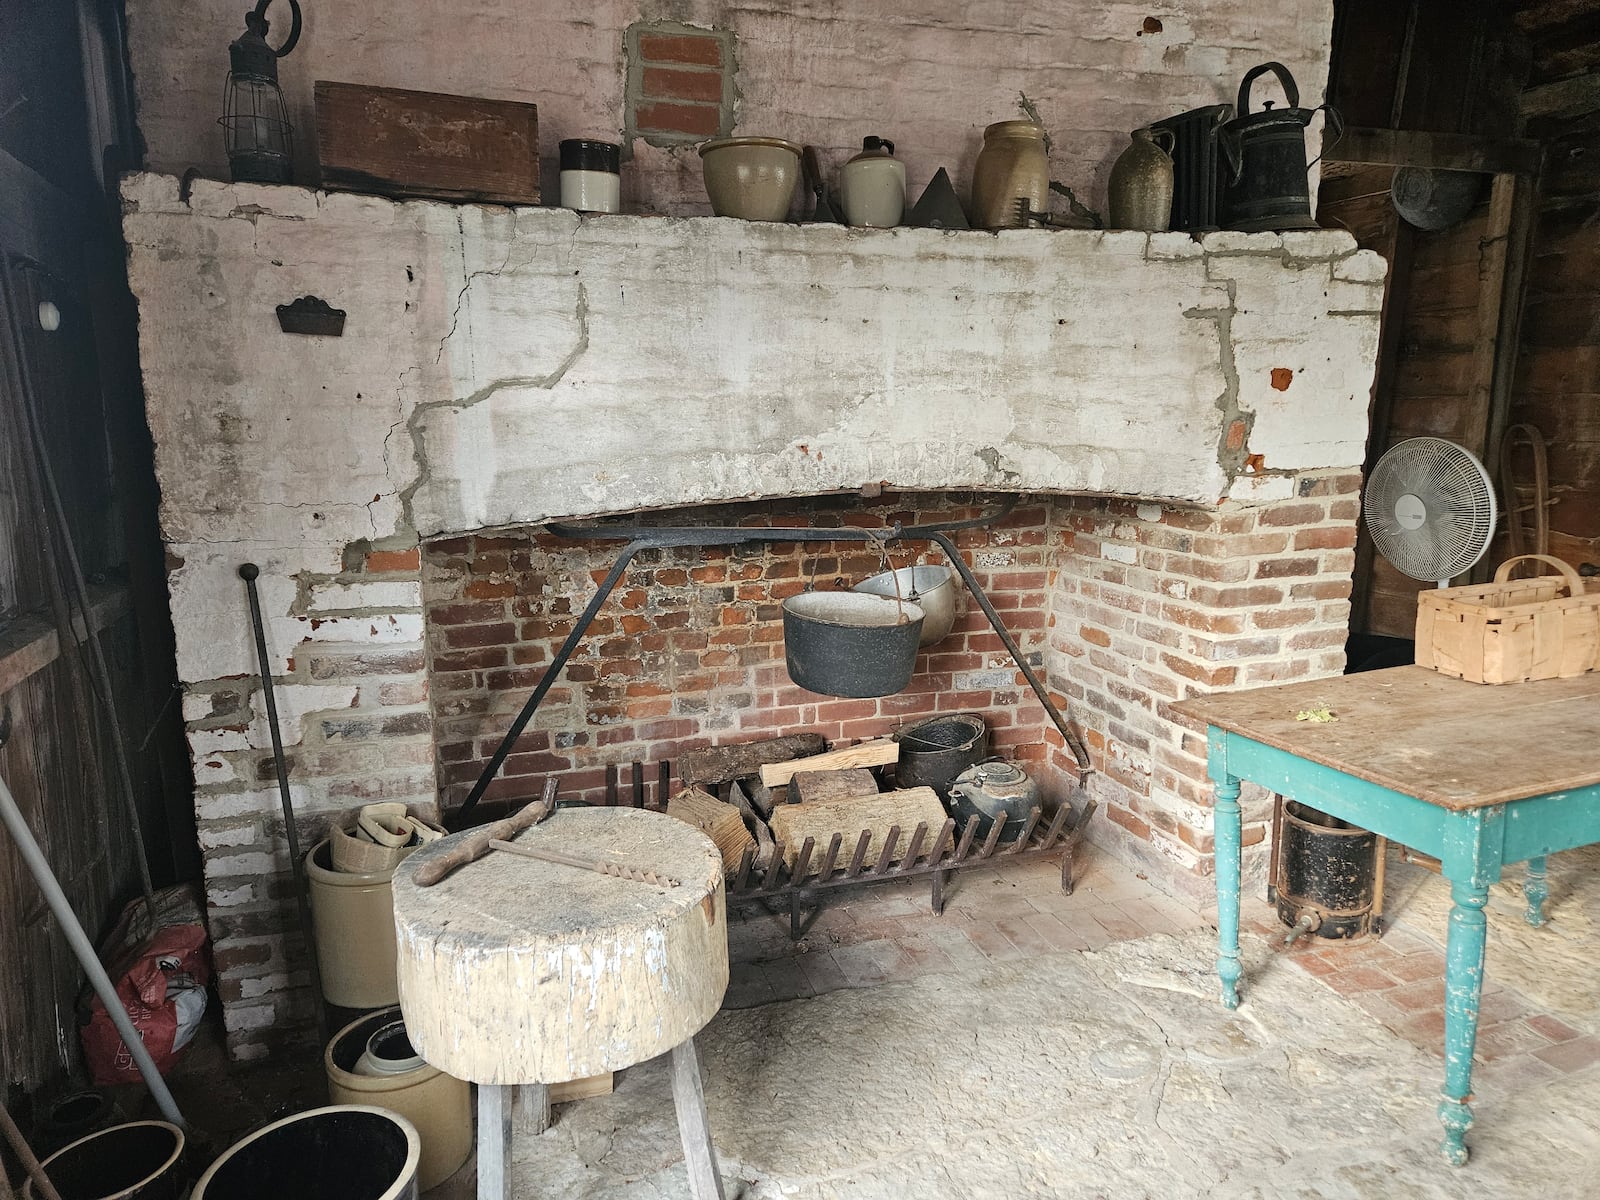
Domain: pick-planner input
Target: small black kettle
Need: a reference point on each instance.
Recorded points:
(1267, 187)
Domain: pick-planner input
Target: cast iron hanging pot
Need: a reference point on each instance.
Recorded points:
(850, 644)
(1267, 186)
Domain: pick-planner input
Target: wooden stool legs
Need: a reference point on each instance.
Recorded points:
(494, 1141)
(699, 1155)
(531, 1105)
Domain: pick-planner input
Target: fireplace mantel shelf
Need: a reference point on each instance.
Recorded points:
(502, 366)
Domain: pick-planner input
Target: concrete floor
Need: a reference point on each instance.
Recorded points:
(1033, 1044)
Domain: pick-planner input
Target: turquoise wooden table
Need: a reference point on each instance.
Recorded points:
(1481, 777)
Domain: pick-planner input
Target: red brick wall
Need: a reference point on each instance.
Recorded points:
(688, 651)
(1154, 604)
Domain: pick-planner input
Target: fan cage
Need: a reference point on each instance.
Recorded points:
(1457, 499)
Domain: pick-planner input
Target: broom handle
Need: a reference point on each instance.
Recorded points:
(604, 866)
(30, 1164)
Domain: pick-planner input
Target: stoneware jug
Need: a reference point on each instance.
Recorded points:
(1013, 165)
(1141, 183)
(873, 185)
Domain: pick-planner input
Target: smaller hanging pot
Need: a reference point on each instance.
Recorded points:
(1267, 187)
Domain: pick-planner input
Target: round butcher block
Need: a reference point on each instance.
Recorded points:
(514, 970)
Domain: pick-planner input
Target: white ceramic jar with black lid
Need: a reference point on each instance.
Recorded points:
(591, 175)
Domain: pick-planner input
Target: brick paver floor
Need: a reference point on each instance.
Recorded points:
(887, 932)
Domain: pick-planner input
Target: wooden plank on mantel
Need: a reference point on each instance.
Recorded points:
(1420, 148)
(405, 143)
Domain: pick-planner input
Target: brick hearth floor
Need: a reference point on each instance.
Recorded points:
(884, 933)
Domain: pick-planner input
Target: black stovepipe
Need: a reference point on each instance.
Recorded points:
(647, 537)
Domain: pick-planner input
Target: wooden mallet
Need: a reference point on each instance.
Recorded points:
(476, 845)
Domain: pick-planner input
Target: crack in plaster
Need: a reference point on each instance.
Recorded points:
(544, 382)
(1231, 461)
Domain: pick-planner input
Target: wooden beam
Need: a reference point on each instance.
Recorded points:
(1564, 98)
(30, 644)
(1492, 258)
(1519, 245)
(1445, 151)
(1391, 334)
(39, 221)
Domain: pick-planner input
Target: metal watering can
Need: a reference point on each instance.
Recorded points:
(1267, 187)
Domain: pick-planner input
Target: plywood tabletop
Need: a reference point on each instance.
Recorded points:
(1452, 743)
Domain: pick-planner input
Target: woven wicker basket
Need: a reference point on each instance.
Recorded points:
(1511, 630)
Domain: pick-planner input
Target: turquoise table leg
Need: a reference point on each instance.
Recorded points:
(1463, 986)
(1227, 834)
(1536, 887)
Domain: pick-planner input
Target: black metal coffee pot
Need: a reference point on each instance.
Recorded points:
(1267, 187)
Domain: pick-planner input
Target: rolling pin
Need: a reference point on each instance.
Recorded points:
(476, 845)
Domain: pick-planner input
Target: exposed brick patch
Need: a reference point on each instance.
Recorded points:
(679, 83)
(665, 83)
(395, 560)
(683, 49)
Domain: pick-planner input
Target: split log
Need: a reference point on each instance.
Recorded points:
(718, 764)
(792, 824)
(813, 787)
(868, 754)
(764, 799)
(754, 822)
(722, 823)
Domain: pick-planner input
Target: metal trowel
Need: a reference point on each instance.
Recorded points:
(811, 166)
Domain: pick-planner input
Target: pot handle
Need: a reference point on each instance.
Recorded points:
(1291, 91)
(894, 577)
(1233, 152)
(1335, 123)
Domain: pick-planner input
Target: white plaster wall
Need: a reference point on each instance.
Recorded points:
(930, 75)
(502, 366)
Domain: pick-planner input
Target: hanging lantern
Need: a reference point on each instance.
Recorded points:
(255, 121)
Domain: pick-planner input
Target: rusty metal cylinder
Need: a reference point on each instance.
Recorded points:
(1326, 873)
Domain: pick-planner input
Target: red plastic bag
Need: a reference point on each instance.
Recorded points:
(160, 975)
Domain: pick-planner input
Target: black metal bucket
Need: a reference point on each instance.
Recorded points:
(334, 1153)
(142, 1160)
(1326, 873)
(935, 751)
(850, 644)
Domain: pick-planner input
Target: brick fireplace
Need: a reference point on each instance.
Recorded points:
(1181, 418)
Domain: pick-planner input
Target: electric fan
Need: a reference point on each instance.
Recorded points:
(1430, 508)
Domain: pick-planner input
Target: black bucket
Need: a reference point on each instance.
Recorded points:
(1326, 873)
(343, 1152)
(935, 751)
(850, 643)
(70, 1117)
(141, 1160)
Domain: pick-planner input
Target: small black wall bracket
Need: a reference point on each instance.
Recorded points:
(311, 315)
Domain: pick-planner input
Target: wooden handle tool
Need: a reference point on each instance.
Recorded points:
(603, 866)
(476, 845)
